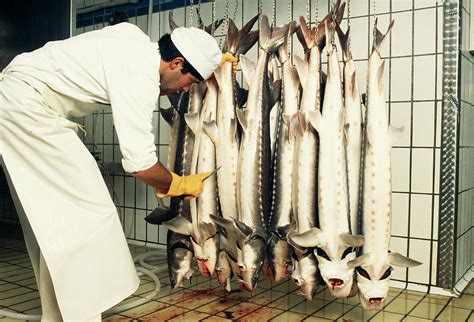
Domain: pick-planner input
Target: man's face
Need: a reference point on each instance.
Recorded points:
(172, 80)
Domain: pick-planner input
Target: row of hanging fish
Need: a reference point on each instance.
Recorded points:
(303, 176)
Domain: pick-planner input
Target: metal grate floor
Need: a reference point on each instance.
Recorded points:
(203, 299)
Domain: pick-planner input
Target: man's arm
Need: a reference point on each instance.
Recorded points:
(157, 176)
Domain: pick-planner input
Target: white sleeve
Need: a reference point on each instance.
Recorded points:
(133, 101)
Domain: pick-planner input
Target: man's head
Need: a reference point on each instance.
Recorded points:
(188, 56)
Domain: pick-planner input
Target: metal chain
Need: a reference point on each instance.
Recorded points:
(235, 10)
(308, 13)
(373, 8)
(225, 25)
(274, 13)
(316, 12)
(213, 14)
(349, 25)
(191, 14)
(290, 18)
(260, 8)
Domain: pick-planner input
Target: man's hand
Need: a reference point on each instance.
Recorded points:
(187, 186)
(228, 57)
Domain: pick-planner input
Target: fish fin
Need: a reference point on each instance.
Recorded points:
(173, 24)
(316, 120)
(168, 114)
(242, 95)
(206, 230)
(397, 259)
(213, 26)
(380, 76)
(245, 230)
(346, 132)
(202, 87)
(248, 69)
(210, 128)
(395, 133)
(343, 39)
(359, 261)
(305, 35)
(380, 38)
(247, 42)
(244, 39)
(352, 240)
(232, 37)
(301, 68)
(308, 239)
(174, 99)
(224, 224)
(271, 38)
(193, 121)
(276, 92)
(364, 99)
(179, 225)
(283, 52)
(338, 11)
(242, 116)
(283, 231)
(160, 215)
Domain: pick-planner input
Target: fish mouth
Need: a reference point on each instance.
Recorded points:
(335, 283)
(203, 266)
(376, 300)
(372, 303)
(280, 272)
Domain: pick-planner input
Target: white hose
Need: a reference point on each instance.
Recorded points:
(147, 269)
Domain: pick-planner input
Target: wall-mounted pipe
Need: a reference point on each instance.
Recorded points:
(104, 5)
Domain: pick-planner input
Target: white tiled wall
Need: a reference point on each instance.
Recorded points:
(413, 91)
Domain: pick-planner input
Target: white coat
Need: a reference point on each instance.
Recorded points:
(64, 205)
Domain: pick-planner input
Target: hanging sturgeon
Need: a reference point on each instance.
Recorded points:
(178, 246)
(223, 132)
(254, 166)
(304, 184)
(279, 252)
(334, 244)
(374, 267)
(352, 129)
(203, 231)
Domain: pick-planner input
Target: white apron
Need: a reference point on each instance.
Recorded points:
(66, 208)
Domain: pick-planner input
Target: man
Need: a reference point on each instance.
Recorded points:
(73, 234)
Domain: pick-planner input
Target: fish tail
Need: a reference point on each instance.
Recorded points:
(379, 37)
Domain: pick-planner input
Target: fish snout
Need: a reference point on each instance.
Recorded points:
(254, 280)
(335, 282)
(308, 290)
(376, 300)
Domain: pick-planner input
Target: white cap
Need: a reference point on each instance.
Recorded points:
(199, 48)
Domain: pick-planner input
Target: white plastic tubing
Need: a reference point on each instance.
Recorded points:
(144, 269)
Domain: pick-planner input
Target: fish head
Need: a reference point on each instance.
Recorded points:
(373, 276)
(206, 254)
(334, 269)
(223, 269)
(179, 266)
(250, 257)
(373, 287)
(279, 257)
(305, 274)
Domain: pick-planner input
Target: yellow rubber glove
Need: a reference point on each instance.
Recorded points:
(188, 186)
(228, 57)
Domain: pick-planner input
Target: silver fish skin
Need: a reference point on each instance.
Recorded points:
(205, 241)
(305, 164)
(374, 267)
(275, 112)
(335, 245)
(352, 130)
(253, 180)
(223, 133)
(281, 214)
(304, 183)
